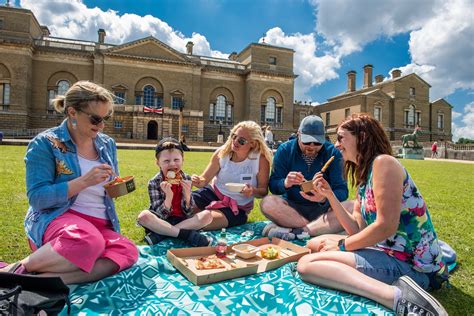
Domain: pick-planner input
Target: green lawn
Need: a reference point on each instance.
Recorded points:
(447, 188)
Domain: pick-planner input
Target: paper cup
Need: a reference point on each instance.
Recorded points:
(116, 189)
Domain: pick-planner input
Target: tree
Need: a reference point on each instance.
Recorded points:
(463, 140)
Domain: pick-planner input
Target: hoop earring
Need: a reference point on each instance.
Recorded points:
(74, 123)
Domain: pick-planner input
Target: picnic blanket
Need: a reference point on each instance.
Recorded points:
(154, 287)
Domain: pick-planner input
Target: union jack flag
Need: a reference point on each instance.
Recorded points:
(148, 109)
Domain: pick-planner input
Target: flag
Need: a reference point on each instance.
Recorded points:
(148, 109)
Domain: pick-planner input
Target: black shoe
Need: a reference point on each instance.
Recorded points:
(153, 238)
(199, 240)
(416, 300)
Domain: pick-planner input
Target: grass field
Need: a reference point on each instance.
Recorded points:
(447, 188)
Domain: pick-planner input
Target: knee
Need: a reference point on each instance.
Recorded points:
(145, 217)
(303, 266)
(205, 217)
(268, 204)
(313, 244)
(92, 244)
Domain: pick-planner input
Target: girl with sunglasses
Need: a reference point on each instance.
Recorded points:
(245, 159)
(72, 225)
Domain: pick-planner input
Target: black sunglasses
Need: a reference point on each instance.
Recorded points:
(242, 141)
(310, 143)
(96, 119)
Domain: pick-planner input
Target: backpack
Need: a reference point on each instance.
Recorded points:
(437, 279)
(29, 294)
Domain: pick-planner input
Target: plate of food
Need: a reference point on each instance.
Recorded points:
(235, 187)
(270, 252)
(173, 176)
(120, 186)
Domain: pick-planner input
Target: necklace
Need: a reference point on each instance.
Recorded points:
(96, 157)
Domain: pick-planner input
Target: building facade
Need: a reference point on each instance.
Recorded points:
(154, 84)
(400, 103)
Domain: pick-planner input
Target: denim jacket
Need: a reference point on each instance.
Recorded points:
(51, 161)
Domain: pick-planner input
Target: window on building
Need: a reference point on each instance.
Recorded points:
(2, 23)
(272, 60)
(328, 119)
(185, 129)
(221, 111)
(119, 97)
(440, 123)
(410, 116)
(412, 92)
(211, 112)
(378, 113)
(60, 89)
(271, 113)
(418, 118)
(63, 86)
(5, 96)
(229, 113)
(118, 124)
(220, 108)
(176, 102)
(347, 112)
(149, 96)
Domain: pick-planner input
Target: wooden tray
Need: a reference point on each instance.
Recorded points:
(183, 260)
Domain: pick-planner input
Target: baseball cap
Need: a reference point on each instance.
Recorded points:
(166, 144)
(312, 129)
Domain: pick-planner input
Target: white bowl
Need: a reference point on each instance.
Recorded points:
(235, 187)
(245, 251)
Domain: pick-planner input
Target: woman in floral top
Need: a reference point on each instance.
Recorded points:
(391, 248)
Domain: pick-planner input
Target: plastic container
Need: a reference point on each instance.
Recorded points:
(221, 246)
(245, 251)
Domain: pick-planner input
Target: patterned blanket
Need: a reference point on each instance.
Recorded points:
(154, 287)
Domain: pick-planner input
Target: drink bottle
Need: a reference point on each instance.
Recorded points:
(221, 246)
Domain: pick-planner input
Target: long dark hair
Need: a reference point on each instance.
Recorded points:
(371, 141)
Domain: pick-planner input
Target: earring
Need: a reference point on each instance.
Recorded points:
(74, 123)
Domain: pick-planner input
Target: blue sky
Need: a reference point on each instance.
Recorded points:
(433, 38)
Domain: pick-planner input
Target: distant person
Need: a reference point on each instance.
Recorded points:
(182, 142)
(293, 135)
(72, 226)
(434, 150)
(391, 252)
(294, 213)
(243, 159)
(171, 205)
(269, 136)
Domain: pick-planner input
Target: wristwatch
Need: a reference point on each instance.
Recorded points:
(342, 244)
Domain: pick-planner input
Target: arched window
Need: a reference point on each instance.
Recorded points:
(5, 95)
(220, 108)
(410, 116)
(149, 96)
(60, 89)
(63, 86)
(221, 111)
(271, 113)
(270, 110)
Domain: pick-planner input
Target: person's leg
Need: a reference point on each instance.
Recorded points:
(225, 217)
(154, 223)
(198, 221)
(328, 222)
(279, 212)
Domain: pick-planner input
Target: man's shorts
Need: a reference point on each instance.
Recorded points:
(309, 211)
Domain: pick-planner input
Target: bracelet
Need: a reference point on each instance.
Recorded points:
(342, 244)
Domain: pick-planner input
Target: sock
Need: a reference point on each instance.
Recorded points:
(297, 231)
(397, 294)
(184, 234)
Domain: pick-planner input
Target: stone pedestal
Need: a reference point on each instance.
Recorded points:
(413, 153)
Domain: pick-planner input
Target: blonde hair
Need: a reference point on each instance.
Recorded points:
(79, 96)
(256, 136)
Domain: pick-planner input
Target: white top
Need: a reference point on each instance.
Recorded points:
(268, 136)
(90, 201)
(237, 172)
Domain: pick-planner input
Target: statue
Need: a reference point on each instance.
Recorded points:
(411, 137)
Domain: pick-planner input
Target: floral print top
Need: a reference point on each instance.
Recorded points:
(415, 240)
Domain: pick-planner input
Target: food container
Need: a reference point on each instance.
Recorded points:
(235, 187)
(245, 251)
(120, 186)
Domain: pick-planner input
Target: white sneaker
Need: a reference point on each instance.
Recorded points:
(267, 228)
(281, 233)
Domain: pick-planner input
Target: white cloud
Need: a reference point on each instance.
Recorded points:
(455, 115)
(73, 19)
(466, 131)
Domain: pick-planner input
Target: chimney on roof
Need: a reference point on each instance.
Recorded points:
(102, 34)
(368, 76)
(396, 73)
(351, 80)
(233, 56)
(45, 31)
(189, 48)
(378, 79)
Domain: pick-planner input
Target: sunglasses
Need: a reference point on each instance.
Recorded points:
(242, 141)
(96, 119)
(311, 143)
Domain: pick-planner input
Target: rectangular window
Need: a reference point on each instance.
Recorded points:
(185, 129)
(6, 94)
(328, 119)
(229, 114)
(262, 114)
(159, 102)
(347, 112)
(119, 97)
(279, 113)
(378, 113)
(177, 103)
(418, 118)
(118, 124)
(138, 100)
(412, 92)
(272, 60)
(440, 121)
(2, 23)
(211, 112)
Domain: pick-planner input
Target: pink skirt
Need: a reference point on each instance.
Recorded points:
(83, 239)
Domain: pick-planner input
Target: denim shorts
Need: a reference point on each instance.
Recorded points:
(203, 197)
(387, 269)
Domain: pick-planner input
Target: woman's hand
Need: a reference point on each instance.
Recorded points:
(328, 244)
(248, 190)
(293, 178)
(97, 175)
(198, 181)
(321, 186)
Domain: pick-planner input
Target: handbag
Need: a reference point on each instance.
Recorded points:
(22, 294)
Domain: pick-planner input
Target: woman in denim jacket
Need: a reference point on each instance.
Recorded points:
(71, 222)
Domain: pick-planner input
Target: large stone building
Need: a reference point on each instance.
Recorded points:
(400, 103)
(212, 94)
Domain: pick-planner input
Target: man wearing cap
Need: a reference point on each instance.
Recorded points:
(295, 214)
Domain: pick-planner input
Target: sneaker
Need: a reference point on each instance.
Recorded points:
(199, 240)
(416, 300)
(267, 228)
(152, 238)
(281, 233)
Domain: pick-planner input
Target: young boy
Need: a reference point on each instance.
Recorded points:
(171, 205)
